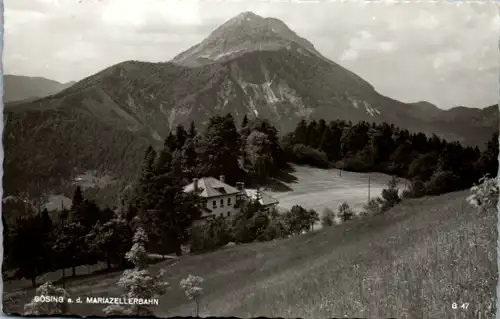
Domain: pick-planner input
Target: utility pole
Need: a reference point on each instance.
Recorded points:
(369, 181)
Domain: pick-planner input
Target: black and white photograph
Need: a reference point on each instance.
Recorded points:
(279, 158)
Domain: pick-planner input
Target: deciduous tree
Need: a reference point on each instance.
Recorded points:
(110, 241)
(138, 282)
(193, 290)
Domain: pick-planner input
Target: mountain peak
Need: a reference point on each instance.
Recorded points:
(248, 15)
(245, 32)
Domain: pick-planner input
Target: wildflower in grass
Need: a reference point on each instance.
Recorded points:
(191, 286)
(39, 308)
(484, 194)
(138, 282)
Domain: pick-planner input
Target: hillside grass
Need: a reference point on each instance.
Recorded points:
(416, 259)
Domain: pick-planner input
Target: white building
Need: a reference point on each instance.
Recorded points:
(222, 199)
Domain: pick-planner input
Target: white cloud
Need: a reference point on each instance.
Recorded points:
(133, 13)
(426, 20)
(349, 55)
(386, 46)
(365, 35)
(13, 18)
(77, 52)
(366, 41)
(495, 23)
(447, 57)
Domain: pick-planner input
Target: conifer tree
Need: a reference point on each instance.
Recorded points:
(142, 198)
(221, 148)
(176, 168)
(192, 131)
(189, 158)
(171, 142)
(180, 135)
(77, 198)
(390, 195)
(32, 254)
(244, 122)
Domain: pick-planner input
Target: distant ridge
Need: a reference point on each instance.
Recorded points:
(19, 87)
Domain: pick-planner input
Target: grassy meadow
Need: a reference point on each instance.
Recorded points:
(412, 262)
(317, 189)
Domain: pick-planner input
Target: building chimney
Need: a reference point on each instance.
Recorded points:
(240, 186)
(222, 178)
(195, 183)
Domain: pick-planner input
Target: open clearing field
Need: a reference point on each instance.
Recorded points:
(318, 189)
(416, 259)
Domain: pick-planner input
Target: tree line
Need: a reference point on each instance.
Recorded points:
(40, 241)
(434, 166)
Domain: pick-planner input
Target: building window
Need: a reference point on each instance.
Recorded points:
(228, 214)
(214, 204)
(229, 201)
(222, 202)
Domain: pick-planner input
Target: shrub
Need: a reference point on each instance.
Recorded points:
(275, 229)
(390, 195)
(303, 154)
(441, 182)
(37, 308)
(373, 207)
(354, 164)
(299, 219)
(345, 212)
(484, 195)
(213, 233)
(416, 189)
(250, 224)
(327, 219)
(313, 217)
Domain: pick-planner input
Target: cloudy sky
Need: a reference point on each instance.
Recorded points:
(445, 53)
